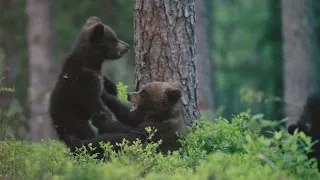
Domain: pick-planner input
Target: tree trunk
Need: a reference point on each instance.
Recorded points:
(203, 61)
(300, 54)
(165, 48)
(6, 75)
(41, 63)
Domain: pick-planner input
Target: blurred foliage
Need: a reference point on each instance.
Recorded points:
(11, 115)
(220, 149)
(239, 60)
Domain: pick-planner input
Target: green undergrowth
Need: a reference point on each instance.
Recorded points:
(219, 149)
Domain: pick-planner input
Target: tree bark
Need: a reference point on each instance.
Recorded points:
(203, 56)
(165, 48)
(6, 77)
(42, 67)
(300, 52)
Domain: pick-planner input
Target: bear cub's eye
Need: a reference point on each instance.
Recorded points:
(143, 93)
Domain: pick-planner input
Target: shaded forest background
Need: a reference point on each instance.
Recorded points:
(245, 51)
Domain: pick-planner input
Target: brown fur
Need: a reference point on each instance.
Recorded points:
(159, 102)
(77, 94)
(157, 105)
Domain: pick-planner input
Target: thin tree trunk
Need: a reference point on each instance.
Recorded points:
(203, 48)
(6, 75)
(300, 54)
(165, 48)
(42, 67)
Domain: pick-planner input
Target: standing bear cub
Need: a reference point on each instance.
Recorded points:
(309, 123)
(157, 105)
(77, 94)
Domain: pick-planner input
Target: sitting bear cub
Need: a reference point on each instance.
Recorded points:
(76, 96)
(157, 104)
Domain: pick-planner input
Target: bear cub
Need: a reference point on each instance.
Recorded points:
(76, 96)
(309, 123)
(157, 105)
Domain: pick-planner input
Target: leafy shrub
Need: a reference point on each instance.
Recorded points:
(218, 149)
(122, 91)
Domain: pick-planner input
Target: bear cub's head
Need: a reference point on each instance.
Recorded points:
(100, 40)
(156, 97)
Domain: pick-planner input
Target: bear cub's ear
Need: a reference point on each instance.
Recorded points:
(92, 20)
(97, 32)
(173, 94)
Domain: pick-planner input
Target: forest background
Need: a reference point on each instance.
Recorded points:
(241, 57)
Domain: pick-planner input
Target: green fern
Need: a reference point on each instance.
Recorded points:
(122, 91)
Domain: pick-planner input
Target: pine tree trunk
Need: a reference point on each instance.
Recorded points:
(41, 65)
(204, 66)
(165, 48)
(6, 75)
(300, 54)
